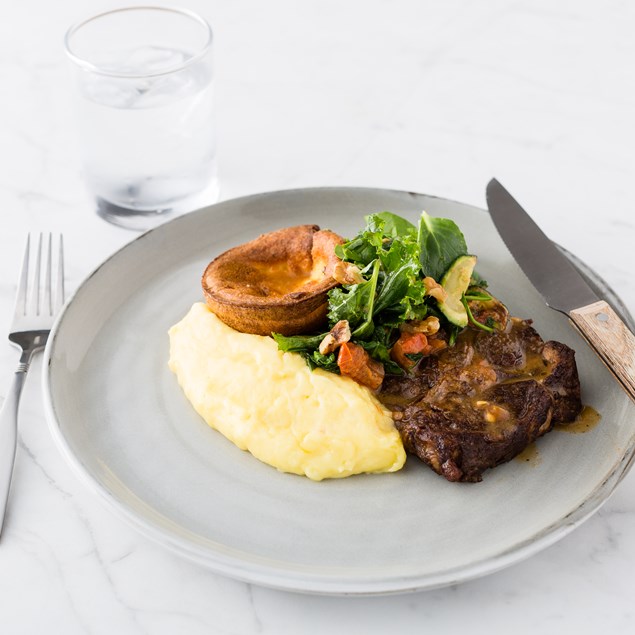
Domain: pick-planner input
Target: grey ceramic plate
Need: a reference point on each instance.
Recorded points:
(120, 419)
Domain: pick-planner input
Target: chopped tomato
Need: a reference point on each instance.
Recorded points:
(409, 344)
(356, 363)
(412, 343)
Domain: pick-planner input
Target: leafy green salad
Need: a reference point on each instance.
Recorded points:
(394, 268)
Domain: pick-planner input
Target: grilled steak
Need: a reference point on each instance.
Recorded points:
(484, 400)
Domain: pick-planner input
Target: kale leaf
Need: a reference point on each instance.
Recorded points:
(441, 243)
(298, 343)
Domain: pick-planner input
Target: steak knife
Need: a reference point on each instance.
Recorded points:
(562, 287)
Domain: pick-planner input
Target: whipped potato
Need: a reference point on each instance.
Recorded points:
(312, 423)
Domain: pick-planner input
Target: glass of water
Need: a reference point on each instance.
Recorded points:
(144, 77)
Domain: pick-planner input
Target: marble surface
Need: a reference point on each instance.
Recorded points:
(423, 96)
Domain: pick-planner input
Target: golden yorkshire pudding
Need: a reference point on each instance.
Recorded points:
(277, 283)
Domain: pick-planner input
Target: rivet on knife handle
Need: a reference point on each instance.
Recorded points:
(612, 340)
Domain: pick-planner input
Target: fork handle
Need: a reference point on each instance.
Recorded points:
(9, 435)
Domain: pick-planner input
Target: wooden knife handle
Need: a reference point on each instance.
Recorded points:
(611, 339)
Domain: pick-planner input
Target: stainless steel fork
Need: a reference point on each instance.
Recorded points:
(35, 310)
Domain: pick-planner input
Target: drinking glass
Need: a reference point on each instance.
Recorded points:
(145, 112)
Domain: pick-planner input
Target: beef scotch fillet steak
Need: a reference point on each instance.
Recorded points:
(484, 400)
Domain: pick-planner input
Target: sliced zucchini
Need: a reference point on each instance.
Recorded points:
(455, 282)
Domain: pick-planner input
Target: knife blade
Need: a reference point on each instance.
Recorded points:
(562, 287)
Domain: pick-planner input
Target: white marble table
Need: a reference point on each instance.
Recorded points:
(424, 96)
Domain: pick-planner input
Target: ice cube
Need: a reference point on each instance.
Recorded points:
(138, 88)
(164, 89)
(153, 59)
(112, 92)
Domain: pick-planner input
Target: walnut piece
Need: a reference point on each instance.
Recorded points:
(347, 273)
(434, 289)
(429, 326)
(339, 334)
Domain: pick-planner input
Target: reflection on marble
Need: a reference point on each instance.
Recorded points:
(421, 96)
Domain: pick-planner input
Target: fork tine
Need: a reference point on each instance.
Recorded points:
(59, 291)
(20, 300)
(48, 305)
(35, 291)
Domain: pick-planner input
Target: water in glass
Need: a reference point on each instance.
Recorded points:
(149, 142)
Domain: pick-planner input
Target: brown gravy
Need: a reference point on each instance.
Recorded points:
(529, 455)
(585, 421)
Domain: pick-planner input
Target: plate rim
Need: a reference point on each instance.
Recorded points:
(288, 579)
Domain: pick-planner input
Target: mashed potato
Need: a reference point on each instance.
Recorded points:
(306, 422)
